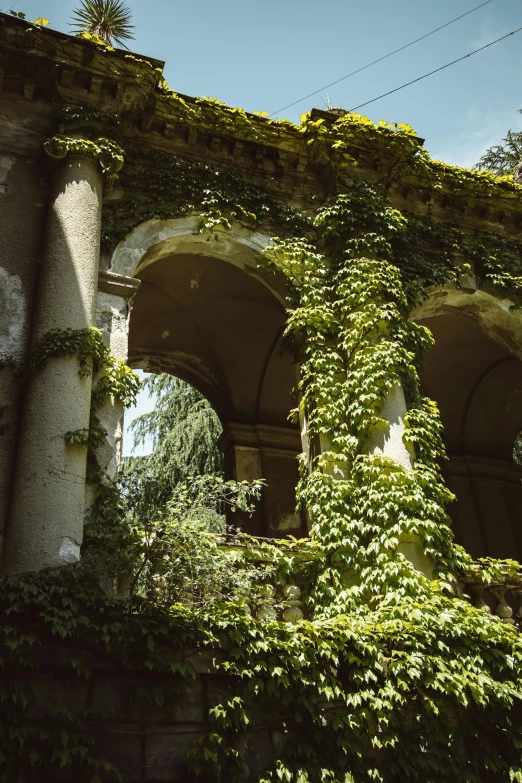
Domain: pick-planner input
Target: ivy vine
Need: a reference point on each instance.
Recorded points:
(108, 154)
(115, 379)
(162, 186)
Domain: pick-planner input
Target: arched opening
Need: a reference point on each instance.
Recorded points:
(219, 327)
(475, 375)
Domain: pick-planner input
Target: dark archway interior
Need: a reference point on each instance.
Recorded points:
(219, 327)
(477, 382)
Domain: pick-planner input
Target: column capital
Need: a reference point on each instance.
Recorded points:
(106, 152)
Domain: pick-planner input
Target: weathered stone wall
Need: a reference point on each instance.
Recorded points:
(22, 216)
(140, 721)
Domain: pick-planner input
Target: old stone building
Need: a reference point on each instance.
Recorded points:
(176, 283)
(201, 309)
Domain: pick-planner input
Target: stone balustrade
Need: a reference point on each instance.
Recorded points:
(270, 593)
(500, 595)
(270, 600)
(277, 603)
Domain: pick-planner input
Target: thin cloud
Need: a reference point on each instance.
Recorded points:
(482, 129)
(489, 30)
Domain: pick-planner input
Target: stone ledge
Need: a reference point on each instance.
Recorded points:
(118, 285)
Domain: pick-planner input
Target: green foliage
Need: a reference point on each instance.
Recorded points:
(180, 411)
(161, 186)
(91, 437)
(86, 343)
(69, 113)
(350, 319)
(184, 431)
(165, 554)
(517, 450)
(396, 695)
(108, 154)
(37, 22)
(115, 380)
(490, 571)
(108, 20)
(358, 345)
(98, 127)
(398, 157)
(503, 158)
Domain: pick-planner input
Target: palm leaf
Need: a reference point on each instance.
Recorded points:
(110, 20)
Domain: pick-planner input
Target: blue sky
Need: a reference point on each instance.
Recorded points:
(263, 56)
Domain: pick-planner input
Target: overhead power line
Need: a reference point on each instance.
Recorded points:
(380, 59)
(442, 67)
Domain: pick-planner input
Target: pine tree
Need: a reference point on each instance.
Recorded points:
(502, 158)
(184, 430)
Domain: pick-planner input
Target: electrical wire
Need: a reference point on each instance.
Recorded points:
(384, 57)
(419, 78)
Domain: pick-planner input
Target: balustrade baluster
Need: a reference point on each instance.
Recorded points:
(478, 594)
(292, 612)
(517, 592)
(503, 610)
(267, 609)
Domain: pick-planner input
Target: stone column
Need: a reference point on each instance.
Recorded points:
(47, 508)
(389, 442)
(280, 447)
(115, 293)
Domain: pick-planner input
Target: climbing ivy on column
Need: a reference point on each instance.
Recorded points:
(350, 317)
(115, 379)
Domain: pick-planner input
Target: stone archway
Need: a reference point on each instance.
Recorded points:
(207, 313)
(474, 372)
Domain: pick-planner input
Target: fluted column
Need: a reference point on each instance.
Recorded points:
(47, 508)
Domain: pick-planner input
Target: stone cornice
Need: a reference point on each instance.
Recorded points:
(46, 65)
(43, 68)
(280, 440)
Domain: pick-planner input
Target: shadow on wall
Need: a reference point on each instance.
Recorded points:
(474, 372)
